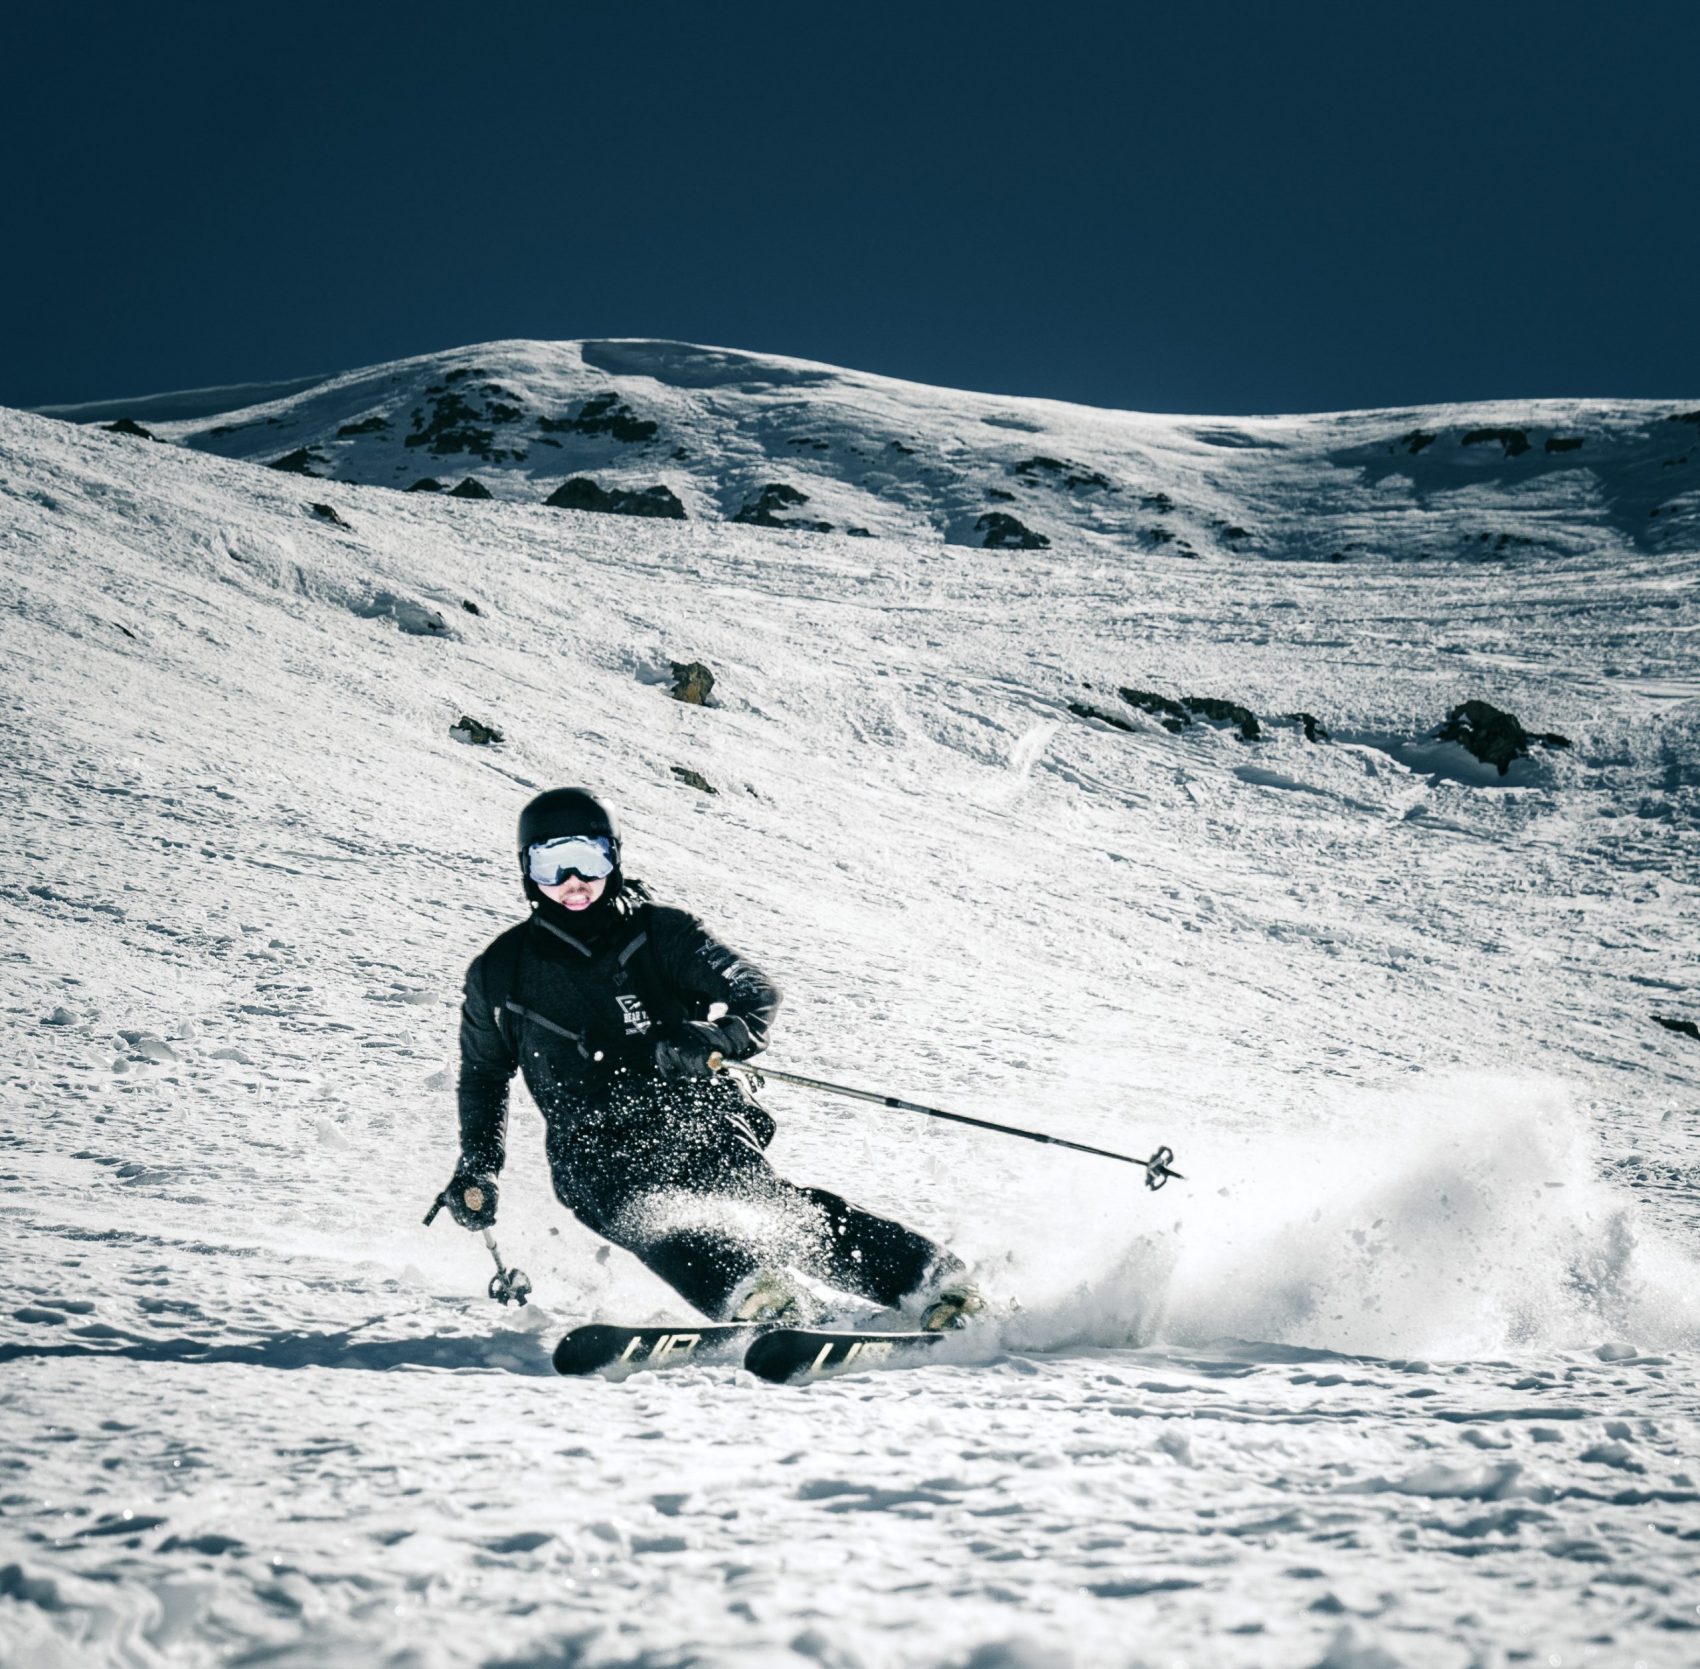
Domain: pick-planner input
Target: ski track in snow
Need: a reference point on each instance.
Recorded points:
(1403, 1373)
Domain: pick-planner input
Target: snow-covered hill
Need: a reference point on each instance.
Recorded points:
(718, 435)
(1402, 1373)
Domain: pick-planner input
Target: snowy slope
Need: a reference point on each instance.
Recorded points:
(1402, 1373)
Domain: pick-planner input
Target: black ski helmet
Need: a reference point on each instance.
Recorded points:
(566, 811)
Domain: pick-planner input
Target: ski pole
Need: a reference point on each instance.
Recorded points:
(507, 1286)
(1156, 1168)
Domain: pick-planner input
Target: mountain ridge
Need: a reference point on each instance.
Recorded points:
(792, 444)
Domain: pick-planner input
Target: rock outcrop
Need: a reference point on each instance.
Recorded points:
(1003, 532)
(1493, 736)
(582, 493)
(474, 734)
(763, 510)
(693, 683)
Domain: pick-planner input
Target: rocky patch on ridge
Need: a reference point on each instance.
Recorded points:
(1514, 441)
(603, 414)
(763, 510)
(1075, 477)
(1004, 532)
(463, 420)
(582, 493)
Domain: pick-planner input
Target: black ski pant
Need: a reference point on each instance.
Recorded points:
(694, 1198)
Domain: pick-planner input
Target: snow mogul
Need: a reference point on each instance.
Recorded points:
(601, 999)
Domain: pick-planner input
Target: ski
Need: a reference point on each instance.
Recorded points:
(799, 1355)
(601, 1345)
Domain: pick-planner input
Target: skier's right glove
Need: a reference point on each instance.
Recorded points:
(464, 1189)
(683, 1051)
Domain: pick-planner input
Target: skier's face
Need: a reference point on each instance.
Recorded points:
(574, 893)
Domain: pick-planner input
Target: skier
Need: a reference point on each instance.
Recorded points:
(601, 998)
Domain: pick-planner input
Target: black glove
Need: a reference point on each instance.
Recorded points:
(682, 1051)
(465, 1187)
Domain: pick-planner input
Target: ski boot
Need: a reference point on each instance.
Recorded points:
(952, 1307)
(771, 1298)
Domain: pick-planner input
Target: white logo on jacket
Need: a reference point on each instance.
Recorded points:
(637, 1016)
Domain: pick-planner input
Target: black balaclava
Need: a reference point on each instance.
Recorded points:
(551, 816)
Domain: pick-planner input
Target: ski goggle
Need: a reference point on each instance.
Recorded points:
(550, 862)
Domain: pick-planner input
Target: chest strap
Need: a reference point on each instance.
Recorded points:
(547, 1024)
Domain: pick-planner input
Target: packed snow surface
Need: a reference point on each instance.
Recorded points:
(1402, 1373)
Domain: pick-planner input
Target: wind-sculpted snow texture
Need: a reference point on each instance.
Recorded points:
(1403, 1373)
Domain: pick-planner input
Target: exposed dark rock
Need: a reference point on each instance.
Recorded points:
(375, 424)
(1000, 495)
(582, 493)
(426, 484)
(775, 496)
(1684, 417)
(1170, 714)
(694, 779)
(471, 608)
(1176, 716)
(129, 426)
(459, 427)
(809, 443)
(693, 683)
(1085, 710)
(298, 462)
(1685, 1028)
(1490, 734)
(1564, 443)
(1313, 727)
(477, 735)
(1416, 440)
(1160, 502)
(1515, 442)
(1216, 711)
(471, 487)
(604, 414)
(1232, 533)
(860, 532)
(1004, 533)
(327, 513)
(454, 428)
(1075, 477)
(898, 446)
(1158, 535)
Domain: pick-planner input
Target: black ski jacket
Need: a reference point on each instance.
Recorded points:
(579, 1019)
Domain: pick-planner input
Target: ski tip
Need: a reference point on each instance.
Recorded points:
(585, 1349)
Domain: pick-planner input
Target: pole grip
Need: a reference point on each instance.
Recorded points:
(436, 1206)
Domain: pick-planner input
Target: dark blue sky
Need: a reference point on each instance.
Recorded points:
(1231, 208)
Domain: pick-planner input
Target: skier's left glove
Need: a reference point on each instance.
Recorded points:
(682, 1051)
